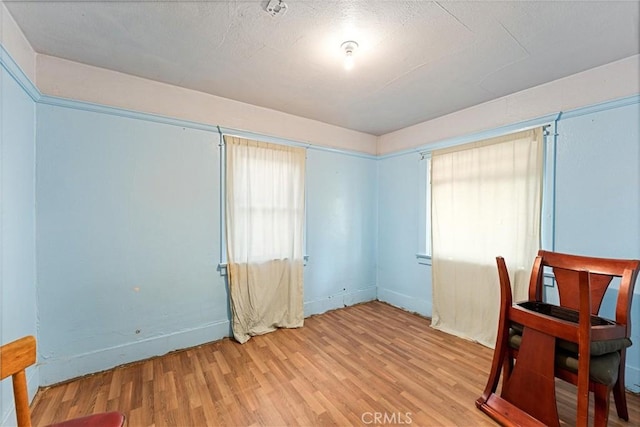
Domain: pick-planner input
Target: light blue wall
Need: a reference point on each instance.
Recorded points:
(17, 229)
(402, 281)
(128, 238)
(341, 231)
(598, 198)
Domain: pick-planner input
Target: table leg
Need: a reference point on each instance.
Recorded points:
(531, 386)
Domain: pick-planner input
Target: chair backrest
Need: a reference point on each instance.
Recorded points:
(15, 357)
(566, 269)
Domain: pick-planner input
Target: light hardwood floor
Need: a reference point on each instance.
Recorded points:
(345, 367)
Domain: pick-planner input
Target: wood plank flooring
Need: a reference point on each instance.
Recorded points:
(369, 364)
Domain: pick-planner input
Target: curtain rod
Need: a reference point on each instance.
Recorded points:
(284, 141)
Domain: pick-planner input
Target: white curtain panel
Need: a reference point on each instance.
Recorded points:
(486, 202)
(265, 232)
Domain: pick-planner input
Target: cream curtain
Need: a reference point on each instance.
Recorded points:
(486, 201)
(265, 231)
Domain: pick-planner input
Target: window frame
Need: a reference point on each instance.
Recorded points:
(223, 260)
(423, 254)
(547, 220)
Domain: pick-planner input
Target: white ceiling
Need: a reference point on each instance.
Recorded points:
(417, 59)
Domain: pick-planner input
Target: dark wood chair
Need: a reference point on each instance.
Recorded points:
(569, 341)
(15, 357)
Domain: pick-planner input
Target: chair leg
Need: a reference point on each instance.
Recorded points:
(601, 399)
(507, 368)
(620, 398)
(500, 355)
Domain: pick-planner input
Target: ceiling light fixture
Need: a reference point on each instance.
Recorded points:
(349, 48)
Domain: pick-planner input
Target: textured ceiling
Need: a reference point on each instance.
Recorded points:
(417, 59)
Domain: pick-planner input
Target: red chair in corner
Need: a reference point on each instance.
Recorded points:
(15, 357)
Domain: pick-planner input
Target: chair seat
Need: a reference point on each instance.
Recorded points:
(605, 356)
(108, 419)
(597, 348)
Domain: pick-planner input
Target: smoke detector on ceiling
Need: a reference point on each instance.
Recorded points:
(276, 8)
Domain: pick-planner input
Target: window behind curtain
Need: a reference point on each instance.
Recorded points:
(268, 204)
(265, 232)
(486, 202)
(424, 206)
